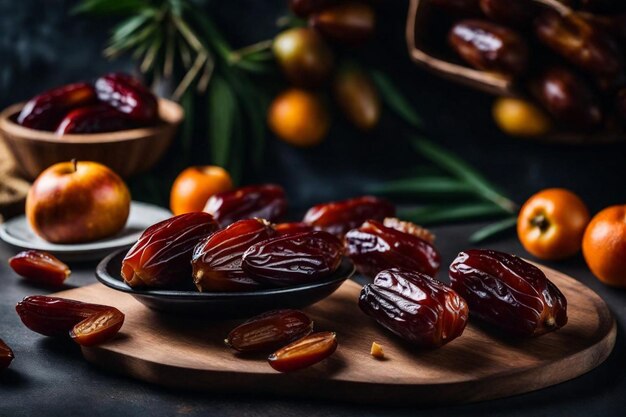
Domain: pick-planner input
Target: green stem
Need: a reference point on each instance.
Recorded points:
(493, 229)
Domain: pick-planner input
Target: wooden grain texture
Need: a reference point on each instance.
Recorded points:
(188, 353)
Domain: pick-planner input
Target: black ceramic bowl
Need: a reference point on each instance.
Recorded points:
(222, 304)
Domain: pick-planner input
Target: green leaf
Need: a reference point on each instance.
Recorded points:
(461, 170)
(128, 26)
(222, 108)
(109, 7)
(395, 100)
(423, 185)
(448, 213)
(493, 229)
(187, 132)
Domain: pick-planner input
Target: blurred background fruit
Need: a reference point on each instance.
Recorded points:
(304, 57)
(519, 117)
(357, 97)
(604, 246)
(299, 117)
(551, 224)
(193, 187)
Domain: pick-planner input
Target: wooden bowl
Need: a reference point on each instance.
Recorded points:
(126, 152)
(431, 56)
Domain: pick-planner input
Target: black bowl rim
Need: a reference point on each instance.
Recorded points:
(346, 270)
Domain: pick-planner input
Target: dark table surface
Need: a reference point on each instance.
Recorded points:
(49, 377)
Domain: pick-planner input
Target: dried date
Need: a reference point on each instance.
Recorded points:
(489, 47)
(293, 259)
(161, 257)
(374, 247)
(579, 42)
(40, 267)
(217, 260)
(98, 328)
(508, 292)
(415, 307)
(6, 355)
(269, 331)
(340, 216)
(304, 352)
(54, 316)
(45, 111)
(128, 96)
(263, 201)
(410, 228)
(516, 13)
(567, 97)
(94, 119)
(348, 22)
(292, 228)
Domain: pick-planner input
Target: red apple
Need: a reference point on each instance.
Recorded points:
(74, 202)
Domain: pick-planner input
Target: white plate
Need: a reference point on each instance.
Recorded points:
(17, 233)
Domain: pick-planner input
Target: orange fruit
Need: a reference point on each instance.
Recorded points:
(299, 118)
(604, 246)
(551, 224)
(193, 187)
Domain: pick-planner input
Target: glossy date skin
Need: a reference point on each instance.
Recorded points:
(508, 292)
(339, 217)
(94, 119)
(266, 201)
(269, 331)
(217, 260)
(54, 316)
(567, 97)
(374, 247)
(292, 228)
(40, 267)
(304, 352)
(45, 111)
(6, 355)
(98, 328)
(489, 47)
(516, 13)
(128, 96)
(579, 42)
(293, 259)
(416, 307)
(349, 22)
(161, 257)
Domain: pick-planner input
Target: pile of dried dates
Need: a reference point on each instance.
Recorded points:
(114, 102)
(570, 60)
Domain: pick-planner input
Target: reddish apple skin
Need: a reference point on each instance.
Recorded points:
(77, 202)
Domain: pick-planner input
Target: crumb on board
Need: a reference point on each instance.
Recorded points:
(377, 351)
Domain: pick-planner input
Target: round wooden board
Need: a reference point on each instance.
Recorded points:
(189, 353)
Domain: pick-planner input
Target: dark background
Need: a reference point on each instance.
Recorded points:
(41, 46)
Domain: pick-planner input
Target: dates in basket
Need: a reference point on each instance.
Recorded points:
(161, 257)
(340, 216)
(374, 247)
(293, 259)
(489, 46)
(263, 201)
(98, 118)
(508, 292)
(416, 307)
(128, 96)
(217, 260)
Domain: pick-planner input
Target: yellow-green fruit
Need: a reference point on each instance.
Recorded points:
(304, 57)
(518, 117)
(357, 97)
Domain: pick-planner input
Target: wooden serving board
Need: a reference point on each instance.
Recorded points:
(189, 353)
